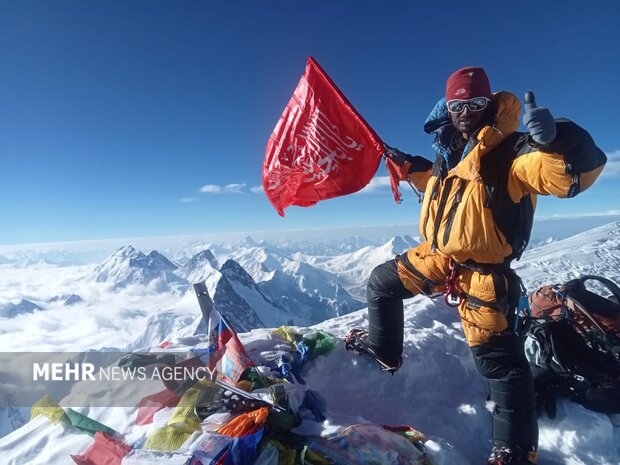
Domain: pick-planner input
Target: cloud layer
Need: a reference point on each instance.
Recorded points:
(232, 188)
(378, 184)
(612, 168)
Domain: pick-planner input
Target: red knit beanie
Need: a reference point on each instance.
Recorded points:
(468, 82)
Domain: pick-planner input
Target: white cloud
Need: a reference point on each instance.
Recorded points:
(105, 318)
(233, 188)
(257, 189)
(189, 199)
(210, 189)
(580, 215)
(612, 168)
(376, 184)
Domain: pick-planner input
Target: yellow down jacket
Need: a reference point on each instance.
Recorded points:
(458, 218)
(479, 214)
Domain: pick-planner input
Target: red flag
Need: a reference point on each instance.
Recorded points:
(150, 405)
(104, 451)
(320, 148)
(397, 174)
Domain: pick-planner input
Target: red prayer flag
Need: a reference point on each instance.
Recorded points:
(150, 405)
(105, 450)
(320, 148)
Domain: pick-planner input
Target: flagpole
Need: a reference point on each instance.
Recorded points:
(206, 307)
(204, 300)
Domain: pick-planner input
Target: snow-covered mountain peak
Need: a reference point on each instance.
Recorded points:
(200, 267)
(248, 242)
(232, 270)
(127, 252)
(129, 265)
(354, 268)
(10, 310)
(202, 258)
(67, 299)
(156, 260)
(303, 288)
(399, 244)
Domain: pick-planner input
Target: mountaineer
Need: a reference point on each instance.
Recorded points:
(477, 213)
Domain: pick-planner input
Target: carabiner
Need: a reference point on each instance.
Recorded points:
(452, 299)
(452, 296)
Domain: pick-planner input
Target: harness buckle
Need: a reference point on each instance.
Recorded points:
(452, 300)
(452, 296)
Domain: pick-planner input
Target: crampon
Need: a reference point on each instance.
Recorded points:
(357, 341)
(507, 456)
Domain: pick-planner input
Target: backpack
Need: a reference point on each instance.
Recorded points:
(573, 345)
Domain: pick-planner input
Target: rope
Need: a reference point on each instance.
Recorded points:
(416, 191)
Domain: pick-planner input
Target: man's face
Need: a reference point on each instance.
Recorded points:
(467, 121)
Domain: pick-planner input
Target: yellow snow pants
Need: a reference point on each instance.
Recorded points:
(426, 273)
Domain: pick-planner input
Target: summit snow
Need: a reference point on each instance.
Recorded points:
(129, 266)
(444, 396)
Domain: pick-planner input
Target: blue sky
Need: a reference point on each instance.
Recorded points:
(114, 115)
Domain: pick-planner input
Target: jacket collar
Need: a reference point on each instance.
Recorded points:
(506, 122)
(438, 122)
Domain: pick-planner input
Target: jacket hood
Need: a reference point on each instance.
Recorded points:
(507, 110)
(438, 117)
(439, 122)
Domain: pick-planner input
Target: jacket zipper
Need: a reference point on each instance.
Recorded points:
(452, 213)
(433, 197)
(442, 205)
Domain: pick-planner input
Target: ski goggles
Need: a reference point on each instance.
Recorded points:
(474, 104)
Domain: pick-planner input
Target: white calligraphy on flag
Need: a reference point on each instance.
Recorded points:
(318, 150)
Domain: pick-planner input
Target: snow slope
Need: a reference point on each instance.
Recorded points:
(438, 389)
(592, 252)
(354, 268)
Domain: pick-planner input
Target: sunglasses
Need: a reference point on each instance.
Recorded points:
(474, 104)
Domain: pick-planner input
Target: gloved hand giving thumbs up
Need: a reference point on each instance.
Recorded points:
(539, 121)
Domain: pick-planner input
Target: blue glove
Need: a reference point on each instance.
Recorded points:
(395, 155)
(539, 121)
